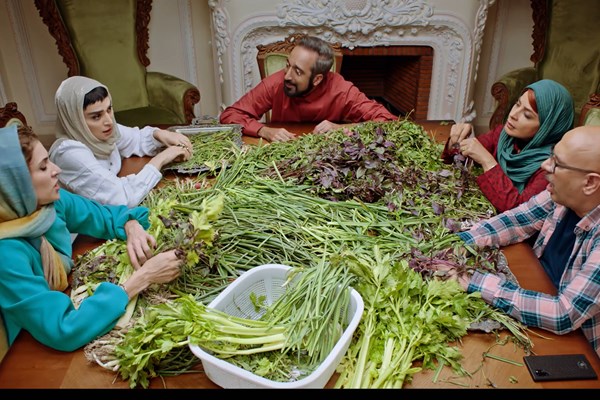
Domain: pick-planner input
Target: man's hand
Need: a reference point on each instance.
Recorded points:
(325, 126)
(275, 134)
(140, 244)
(451, 273)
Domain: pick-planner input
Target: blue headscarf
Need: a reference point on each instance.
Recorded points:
(556, 113)
(19, 216)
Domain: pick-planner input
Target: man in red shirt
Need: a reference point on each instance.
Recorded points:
(306, 90)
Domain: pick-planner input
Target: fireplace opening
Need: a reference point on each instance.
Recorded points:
(399, 77)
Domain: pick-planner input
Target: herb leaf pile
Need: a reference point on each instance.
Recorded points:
(375, 199)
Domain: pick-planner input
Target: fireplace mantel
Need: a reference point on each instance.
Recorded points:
(356, 23)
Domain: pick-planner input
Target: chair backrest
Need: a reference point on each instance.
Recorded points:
(568, 50)
(105, 40)
(10, 115)
(272, 57)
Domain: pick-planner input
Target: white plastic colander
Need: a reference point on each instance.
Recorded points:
(235, 300)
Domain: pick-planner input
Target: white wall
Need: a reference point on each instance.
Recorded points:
(181, 44)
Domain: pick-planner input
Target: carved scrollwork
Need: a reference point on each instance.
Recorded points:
(10, 112)
(500, 93)
(355, 17)
(142, 19)
(593, 102)
(541, 16)
(51, 17)
(190, 98)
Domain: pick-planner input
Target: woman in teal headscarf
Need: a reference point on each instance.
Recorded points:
(511, 155)
(36, 222)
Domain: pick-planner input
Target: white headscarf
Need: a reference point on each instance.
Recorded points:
(71, 120)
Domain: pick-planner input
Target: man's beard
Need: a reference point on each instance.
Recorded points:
(295, 92)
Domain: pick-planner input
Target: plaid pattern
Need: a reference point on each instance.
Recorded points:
(577, 303)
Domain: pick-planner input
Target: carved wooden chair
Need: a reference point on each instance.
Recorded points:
(10, 115)
(567, 50)
(108, 41)
(273, 57)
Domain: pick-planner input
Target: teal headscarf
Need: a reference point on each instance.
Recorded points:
(556, 113)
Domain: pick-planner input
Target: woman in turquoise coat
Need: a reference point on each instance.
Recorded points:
(36, 222)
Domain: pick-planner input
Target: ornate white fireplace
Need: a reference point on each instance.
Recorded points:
(454, 34)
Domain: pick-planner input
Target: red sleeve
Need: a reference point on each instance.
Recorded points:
(490, 139)
(497, 187)
(252, 106)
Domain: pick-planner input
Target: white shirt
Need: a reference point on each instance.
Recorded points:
(97, 179)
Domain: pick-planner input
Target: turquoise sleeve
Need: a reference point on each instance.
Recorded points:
(91, 218)
(28, 303)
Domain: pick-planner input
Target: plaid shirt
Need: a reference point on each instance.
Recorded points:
(578, 301)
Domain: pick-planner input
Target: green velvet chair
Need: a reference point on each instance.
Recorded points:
(108, 40)
(272, 57)
(567, 50)
(9, 115)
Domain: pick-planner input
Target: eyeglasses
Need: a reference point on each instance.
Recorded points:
(559, 165)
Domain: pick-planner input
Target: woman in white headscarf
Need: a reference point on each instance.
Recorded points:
(36, 219)
(90, 145)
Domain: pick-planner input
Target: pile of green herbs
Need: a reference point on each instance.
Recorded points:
(276, 209)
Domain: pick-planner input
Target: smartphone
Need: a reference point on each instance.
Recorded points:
(560, 367)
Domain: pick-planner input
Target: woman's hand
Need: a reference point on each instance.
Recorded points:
(162, 268)
(169, 138)
(140, 244)
(459, 132)
(171, 154)
(473, 149)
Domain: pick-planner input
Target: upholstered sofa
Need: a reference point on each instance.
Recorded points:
(567, 50)
(108, 40)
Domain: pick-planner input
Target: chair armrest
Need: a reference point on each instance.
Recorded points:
(507, 90)
(590, 112)
(175, 94)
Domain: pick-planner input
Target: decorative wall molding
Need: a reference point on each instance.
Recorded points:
(15, 12)
(480, 21)
(361, 18)
(358, 23)
(220, 34)
(189, 54)
(489, 103)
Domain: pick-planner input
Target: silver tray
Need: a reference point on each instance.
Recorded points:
(207, 130)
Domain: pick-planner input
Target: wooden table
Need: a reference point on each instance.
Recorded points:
(29, 364)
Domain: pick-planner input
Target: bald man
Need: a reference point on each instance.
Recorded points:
(567, 217)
